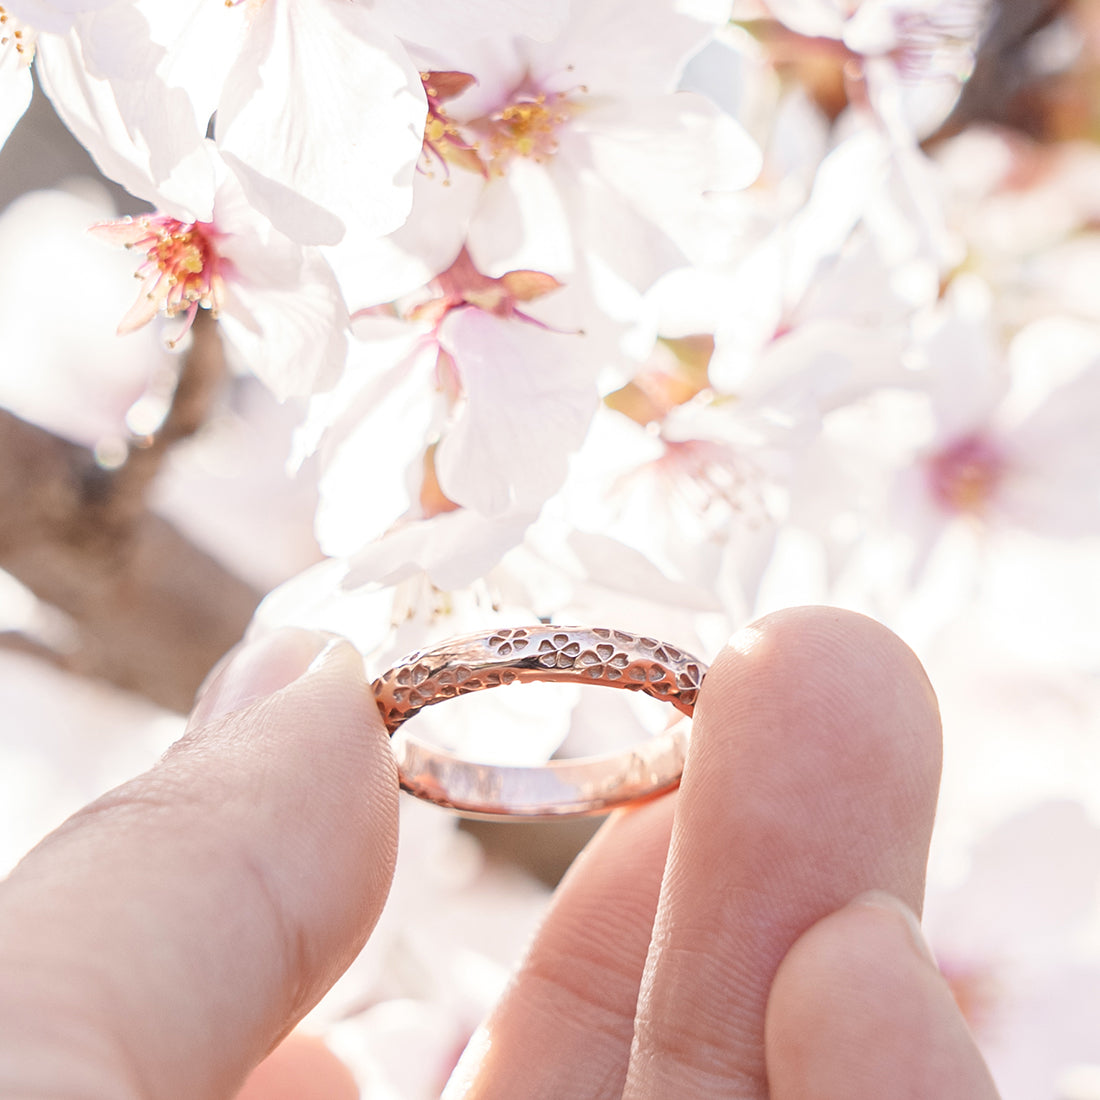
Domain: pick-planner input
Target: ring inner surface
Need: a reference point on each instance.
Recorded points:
(584, 655)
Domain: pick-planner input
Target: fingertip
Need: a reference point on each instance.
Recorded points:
(832, 651)
(858, 1010)
(254, 670)
(809, 698)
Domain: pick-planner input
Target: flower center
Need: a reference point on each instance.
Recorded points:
(964, 476)
(16, 35)
(526, 127)
(182, 269)
(462, 285)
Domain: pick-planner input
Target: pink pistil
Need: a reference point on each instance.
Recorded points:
(964, 476)
(182, 269)
(526, 126)
(462, 285)
(443, 140)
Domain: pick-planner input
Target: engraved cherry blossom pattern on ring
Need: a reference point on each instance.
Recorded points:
(563, 654)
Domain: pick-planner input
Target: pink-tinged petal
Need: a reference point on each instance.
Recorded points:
(323, 120)
(619, 48)
(55, 16)
(453, 548)
(292, 335)
(144, 139)
(664, 155)
(523, 222)
(448, 26)
(372, 270)
(1050, 485)
(144, 309)
(529, 396)
(200, 42)
(16, 89)
(122, 233)
(372, 467)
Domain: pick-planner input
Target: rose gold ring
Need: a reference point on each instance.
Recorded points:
(559, 788)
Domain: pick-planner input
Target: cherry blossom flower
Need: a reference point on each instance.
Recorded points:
(278, 304)
(183, 268)
(341, 155)
(570, 161)
(914, 54)
(60, 296)
(1002, 454)
(1013, 941)
(318, 109)
(480, 405)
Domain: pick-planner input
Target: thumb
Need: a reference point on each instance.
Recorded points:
(162, 940)
(858, 1010)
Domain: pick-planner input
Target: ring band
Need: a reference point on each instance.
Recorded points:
(569, 654)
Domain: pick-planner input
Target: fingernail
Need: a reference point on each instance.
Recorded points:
(254, 670)
(880, 899)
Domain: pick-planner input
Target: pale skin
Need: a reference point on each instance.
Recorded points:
(749, 938)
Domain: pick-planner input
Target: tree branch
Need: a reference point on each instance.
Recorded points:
(153, 612)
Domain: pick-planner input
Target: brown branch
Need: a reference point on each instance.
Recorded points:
(152, 611)
(1002, 88)
(14, 641)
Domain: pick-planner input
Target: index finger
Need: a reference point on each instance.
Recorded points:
(812, 777)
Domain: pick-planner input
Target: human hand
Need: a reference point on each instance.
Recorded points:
(163, 940)
(753, 937)
(166, 937)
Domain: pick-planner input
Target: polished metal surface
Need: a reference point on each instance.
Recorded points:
(598, 656)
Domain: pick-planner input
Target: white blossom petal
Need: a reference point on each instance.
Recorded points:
(523, 223)
(16, 89)
(200, 41)
(284, 317)
(292, 336)
(529, 396)
(662, 155)
(54, 16)
(322, 117)
(1053, 482)
(372, 472)
(444, 26)
(150, 144)
(373, 270)
(453, 548)
(619, 48)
